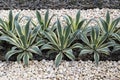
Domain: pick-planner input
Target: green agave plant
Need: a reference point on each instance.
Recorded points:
(9, 25)
(116, 41)
(95, 44)
(78, 24)
(23, 42)
(61, 43)
(44, 23)
(109, 26)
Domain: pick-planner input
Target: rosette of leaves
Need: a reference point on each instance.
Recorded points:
(60, 42)
(116, 42)
(95, 44)
(6, 26)
(23, 42)
(10, 24)
(78, 24)
(109, 26)
(43, 22)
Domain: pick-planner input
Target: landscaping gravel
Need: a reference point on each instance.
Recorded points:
(85, 14)
(67, 70)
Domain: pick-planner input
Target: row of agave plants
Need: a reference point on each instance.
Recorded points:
(58, 39)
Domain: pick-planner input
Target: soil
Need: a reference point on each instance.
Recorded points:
(58, 4)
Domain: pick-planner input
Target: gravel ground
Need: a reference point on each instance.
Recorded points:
(86, 14)
(77, 70)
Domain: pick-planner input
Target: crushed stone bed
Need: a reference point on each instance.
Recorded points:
(85, 14)
(68, 70)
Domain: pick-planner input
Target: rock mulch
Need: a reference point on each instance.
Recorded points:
(85, 14)
(72, 70)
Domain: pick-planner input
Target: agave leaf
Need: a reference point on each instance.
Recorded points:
(58, 59)
(59, 29)
(77, 45)
(104, 24)
(69, 54)
(34, 49)
(108, 17)
(71, 39)
(104, 50)
(12, 52)
(46, 18)
(50, 52)
(23, 41)
(86, 28)
(85, 51)
(35, 30)
(97, 33)
(2, 24)
(117, 21)
(68, 19)
(108, 44)
(39, 43)
(50, 38)
(10, 20)
(115, 44)
(102, 39)
(62, 42)
(38, 17)
(96, 58)
(85, 39)
(81, 23)
(53, 37)
(27, 29)
(78, 17)
(32, 39)
(48, 23)
(19, 57)
(116, 47)
(113, 27)
(6, 26)
(18, 29)
(93, 35)
(67, 32)
(26, 58)
(10, 40)
(47, 46)
(117, 36)
(11, 35)
(32, 35)
(30, 55)
(16, 17)
(34, 24)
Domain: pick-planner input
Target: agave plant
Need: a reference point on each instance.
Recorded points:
(23, 42)
(110, 26)
(95, 44)
(44, 24)
(9, 25)
(78, 24)
(116, 42)
(60, 42)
